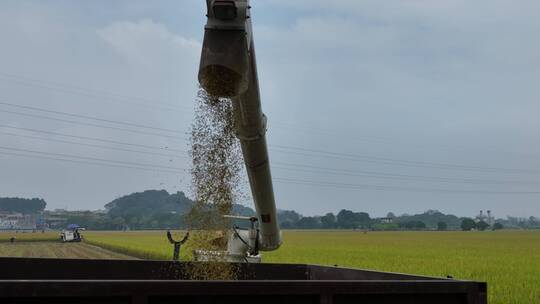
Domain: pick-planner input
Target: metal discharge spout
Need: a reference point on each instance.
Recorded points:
(228, 68)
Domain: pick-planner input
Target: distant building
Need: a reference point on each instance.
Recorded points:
(386, 220)
(490, 218)
(485, 217)
(53, 221)
(13, 221)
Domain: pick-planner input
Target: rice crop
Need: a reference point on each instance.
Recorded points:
(29, 236)
(509, 261)
(57, 250)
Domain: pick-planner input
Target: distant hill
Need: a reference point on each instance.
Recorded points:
(242, 210)
(148, 203)
(22, 205)
(156, 209)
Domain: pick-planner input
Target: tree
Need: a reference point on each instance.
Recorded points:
(533, 222)
(328, 221)
(498, 226)
(140, 204)
(468, 224)
(442, 226)
(352, 220)
(362, 219)
(413, 225)
(308, 223)
(22, 205)
(286, 225)
(118, 223)
(288, 218)
(482, 225)
(346, 219)
(431, 218)
(391, 215)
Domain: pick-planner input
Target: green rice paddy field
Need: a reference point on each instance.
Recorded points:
(508, 260)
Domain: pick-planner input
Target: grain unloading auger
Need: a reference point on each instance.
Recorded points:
(228, 69)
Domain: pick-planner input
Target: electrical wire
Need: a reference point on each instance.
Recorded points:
(89, 117)
(92, 139)
(97, 94)
(91, 158)
(88, 162)
(393, 188)
(280, 179)
(317, 169)
(139, 132)
(318, 153)
(93, 145)
(389, 161)
(384, 175)
(276, 148)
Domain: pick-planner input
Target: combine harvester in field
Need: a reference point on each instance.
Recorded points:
(227, 69)
(72, 234)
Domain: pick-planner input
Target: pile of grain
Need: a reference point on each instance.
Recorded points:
(216, 167)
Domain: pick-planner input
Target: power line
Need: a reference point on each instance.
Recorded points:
(150, 103)
(91, 158)
(284, 180)
(93, 145)
(90, 117)
(379, 160)
(98, 94)
(397, 162)
(92, 138)
(88, 163)
(383, 175)
(371, 139)
(303, 151)
(392, 188)
(327, 132)
(93, 125)
(279, 180)
(324, 170)
(319, 153)
(310, 129)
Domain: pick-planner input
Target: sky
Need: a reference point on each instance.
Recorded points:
(373, 106)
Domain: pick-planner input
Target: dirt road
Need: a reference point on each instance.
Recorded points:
(57, 250)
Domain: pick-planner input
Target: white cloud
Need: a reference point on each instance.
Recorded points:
(148, 43)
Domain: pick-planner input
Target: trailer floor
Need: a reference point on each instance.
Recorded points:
(57, 250)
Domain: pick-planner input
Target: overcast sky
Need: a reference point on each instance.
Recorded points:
(372, 106)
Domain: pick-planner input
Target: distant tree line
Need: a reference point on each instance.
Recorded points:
(532, 222)
(347, 219)
(429, 220)
(22, 205)
(158, 209)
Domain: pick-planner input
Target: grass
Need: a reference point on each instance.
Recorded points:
(508, 260)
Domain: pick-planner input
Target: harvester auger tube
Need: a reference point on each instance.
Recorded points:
(228, 69)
